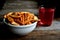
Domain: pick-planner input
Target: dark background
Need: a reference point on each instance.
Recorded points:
(46, 3)
(2, 3)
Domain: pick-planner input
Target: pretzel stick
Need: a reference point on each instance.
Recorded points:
(10, 19)
(18, 21)
(28, 19)
(5, 16)
(14, 23)
(14, 16)
(28, 23)
(23, 19)
(10, 13)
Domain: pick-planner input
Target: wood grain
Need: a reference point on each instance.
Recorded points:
(6, 34)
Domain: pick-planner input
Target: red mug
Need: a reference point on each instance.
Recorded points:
(46, 16)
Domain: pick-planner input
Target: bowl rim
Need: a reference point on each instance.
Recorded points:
(21, 26)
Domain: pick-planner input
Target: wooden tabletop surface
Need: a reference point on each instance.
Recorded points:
(6, 34)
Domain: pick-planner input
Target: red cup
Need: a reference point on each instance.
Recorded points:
(46, 16)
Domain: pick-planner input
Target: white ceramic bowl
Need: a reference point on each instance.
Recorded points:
(21, 30)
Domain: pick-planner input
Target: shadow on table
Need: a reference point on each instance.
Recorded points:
(5, 33)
